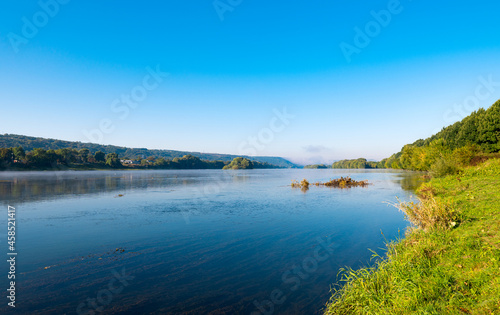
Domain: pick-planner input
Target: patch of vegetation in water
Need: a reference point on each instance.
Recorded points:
(342, 182)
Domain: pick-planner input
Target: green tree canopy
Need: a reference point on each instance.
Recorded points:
(19, 153)
(239, 163)
(100, 156)
(84, 155)
(113, 160)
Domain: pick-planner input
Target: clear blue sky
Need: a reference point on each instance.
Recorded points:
(62, 68)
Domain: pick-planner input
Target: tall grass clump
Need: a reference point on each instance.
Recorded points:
(443, 167)
(368, 286)
(429, 213)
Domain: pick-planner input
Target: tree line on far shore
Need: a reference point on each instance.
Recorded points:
(68, 158)
(357, 163)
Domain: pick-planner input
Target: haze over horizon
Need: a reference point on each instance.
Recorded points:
(310, 82)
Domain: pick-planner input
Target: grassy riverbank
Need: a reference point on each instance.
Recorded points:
(450, 264)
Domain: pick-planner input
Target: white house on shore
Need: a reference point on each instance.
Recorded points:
(130, 162)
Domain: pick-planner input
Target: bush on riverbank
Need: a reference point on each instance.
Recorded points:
(440, 267)
(430, 213)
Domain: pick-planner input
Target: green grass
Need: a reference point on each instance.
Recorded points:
(448, 263)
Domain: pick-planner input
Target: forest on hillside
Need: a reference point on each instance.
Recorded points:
(471, 140)
(31, 143)
(40, 159)
(466, 142)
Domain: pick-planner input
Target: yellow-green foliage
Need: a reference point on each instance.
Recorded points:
(463, 156)
(443, 166)
(439, 159)
(421, 158)
(456, 146)
(358, 163)
(440, 268)
(239, 163)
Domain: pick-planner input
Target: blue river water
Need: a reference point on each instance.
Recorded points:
(191, 241)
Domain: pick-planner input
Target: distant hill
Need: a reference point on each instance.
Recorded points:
(30, 143)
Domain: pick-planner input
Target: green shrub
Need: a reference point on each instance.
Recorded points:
(443, 167)
(430, 214)
(464, 155)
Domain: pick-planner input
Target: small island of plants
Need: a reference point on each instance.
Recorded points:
(342, 182)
